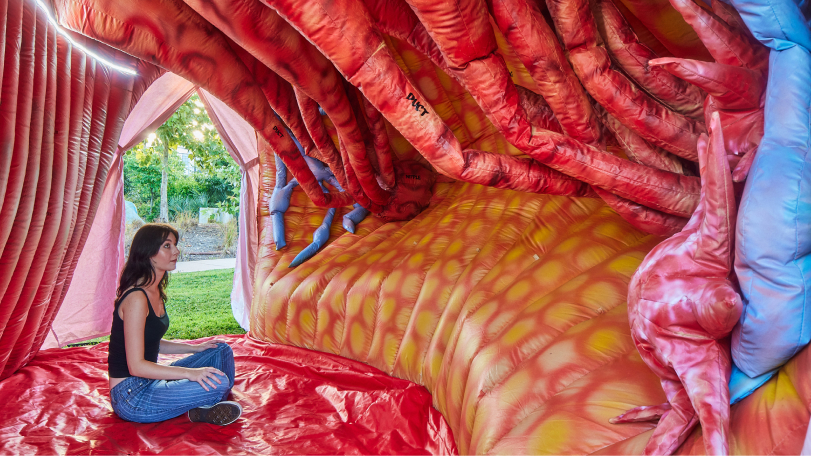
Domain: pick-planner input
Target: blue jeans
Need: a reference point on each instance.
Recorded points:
(145, 400)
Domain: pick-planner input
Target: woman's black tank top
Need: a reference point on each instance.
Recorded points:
(154, 330)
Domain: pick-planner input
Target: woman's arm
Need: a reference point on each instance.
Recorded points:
(170, 347)
(134, 312)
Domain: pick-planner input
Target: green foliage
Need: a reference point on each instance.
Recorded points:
(217, 182)
(142, 179)
(187, 204)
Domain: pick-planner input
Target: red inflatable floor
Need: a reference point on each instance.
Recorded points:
(294, 401)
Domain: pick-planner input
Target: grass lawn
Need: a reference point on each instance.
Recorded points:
(198, 304)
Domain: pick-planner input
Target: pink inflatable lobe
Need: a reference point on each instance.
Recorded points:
(682, 307)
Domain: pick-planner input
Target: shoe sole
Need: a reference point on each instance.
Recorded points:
(221, 414)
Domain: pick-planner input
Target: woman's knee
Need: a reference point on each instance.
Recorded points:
(227, 359)
(223, 388)
(225, 349)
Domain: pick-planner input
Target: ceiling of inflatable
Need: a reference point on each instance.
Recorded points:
(560, 98)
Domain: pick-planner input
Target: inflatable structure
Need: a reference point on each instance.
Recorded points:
(555, 216)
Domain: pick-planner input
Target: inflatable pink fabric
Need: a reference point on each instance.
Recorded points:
(682, 308)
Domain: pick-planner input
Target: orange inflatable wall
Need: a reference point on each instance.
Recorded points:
(510, 308)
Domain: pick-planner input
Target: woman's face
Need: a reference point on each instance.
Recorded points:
(167, 255)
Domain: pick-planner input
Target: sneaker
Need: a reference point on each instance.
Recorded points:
(221, 414)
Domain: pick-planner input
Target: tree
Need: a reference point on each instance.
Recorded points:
(152, 174)
(189, 127)
(142, 178)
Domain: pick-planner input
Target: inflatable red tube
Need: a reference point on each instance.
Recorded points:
(635, 109)
(728, 44)
(732, 88)
(402, 104)
(487, 79)
(636, 148)
(381, 142)
(217, 69)
(280, 96)
(641, 217)
(735, 83)
(396, 19)
(731, 16)
(736, 93)
(354, 98)
(536, 45)
(309, 110)
(537, 110)
(633, 57)
(282, 49)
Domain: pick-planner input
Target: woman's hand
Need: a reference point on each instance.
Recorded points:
(205, 345)
(205, 376)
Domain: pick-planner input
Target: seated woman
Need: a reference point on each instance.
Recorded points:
(142, 390)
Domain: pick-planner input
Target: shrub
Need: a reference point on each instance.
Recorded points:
(184, 221)
(187, 204)
(229, 235)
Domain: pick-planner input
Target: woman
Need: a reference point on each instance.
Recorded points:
(142, 390)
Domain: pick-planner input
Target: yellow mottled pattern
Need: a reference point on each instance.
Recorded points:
(509, 307)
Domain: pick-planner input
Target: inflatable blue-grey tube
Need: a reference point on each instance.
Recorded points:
(772, 256)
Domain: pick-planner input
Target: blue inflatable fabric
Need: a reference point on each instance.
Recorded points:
(772, 257)
(741, 386)
(354, 217)
(280, 200)
(322, 233)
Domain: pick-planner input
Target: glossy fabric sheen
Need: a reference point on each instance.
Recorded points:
(682, 308)
(60, 116)
(774, 271)
(294, 401)
(509, 307)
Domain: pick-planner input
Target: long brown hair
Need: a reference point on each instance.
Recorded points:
(138, 271)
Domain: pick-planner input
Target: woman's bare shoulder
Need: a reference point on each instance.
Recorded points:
(134, 301)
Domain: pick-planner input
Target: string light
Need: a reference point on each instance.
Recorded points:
(84, 49)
